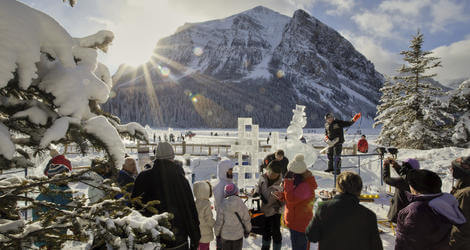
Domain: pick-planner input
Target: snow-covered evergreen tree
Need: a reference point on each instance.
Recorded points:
(412, 114)
(51, 88)
(386, 112)
(460, 100)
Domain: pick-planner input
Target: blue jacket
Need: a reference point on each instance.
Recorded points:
(57, 198)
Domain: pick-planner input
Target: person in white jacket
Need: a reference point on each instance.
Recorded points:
(225, 176)
(230, 227)
(202, 192)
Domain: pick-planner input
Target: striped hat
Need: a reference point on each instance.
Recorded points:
(57, 165)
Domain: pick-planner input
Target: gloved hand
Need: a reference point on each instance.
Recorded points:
(356, 117)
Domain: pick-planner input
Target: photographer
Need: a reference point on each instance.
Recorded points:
(399, 200)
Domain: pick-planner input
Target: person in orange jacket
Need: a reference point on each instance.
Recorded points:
(362, 145)
(299, 195)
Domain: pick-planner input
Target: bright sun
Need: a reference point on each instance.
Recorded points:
(133, 52)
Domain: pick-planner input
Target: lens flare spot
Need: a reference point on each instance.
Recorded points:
(165, 71)
(246, 63)
(280, 73)
(194, 99)
(198, 51)
(249, 108)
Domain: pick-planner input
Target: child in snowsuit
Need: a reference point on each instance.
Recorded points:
(202, 192)
(59, 194)
(233, 219)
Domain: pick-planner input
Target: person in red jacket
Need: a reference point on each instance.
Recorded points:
(299, 195)
(362, 145)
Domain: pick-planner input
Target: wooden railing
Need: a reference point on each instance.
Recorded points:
(198, 149)
(195, 149)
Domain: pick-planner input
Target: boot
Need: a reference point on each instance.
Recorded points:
(266, 245)
(329, 170)
(277, 246)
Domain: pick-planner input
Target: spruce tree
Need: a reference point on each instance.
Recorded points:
(460, 100)
(51, 89)
(412, 114)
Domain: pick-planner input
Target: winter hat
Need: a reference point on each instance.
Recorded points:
(298, 166)
(424, 181)
(57, 165)
(275, 166)
(230, 189)
(165, 151)
(461, 167)
(412, 162)
(329, 115)
(462, 162)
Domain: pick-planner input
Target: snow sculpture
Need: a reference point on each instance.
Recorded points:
(247, 144)
(293, 145)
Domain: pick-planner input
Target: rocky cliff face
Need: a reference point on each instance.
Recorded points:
(258, 63)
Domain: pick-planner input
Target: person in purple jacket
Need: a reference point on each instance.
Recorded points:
(426, 222)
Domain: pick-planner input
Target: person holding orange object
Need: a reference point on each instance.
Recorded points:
(334, 133)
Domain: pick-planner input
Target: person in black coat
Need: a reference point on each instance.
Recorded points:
(166, 182)
(278, 155)
(399, 200)
(334, 131)
(343, 223)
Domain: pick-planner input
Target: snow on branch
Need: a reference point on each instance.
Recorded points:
(100, 40)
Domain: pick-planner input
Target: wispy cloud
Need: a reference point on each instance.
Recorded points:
(455, 61)
(340, 6)
(446, 12)
(384, 60)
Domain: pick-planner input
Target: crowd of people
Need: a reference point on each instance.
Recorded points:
(425, 217)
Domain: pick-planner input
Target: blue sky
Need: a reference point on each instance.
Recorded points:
(378, 29)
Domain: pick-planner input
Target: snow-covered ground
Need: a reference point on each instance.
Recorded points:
(205, 168)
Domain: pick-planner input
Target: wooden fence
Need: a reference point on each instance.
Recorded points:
(197, 149)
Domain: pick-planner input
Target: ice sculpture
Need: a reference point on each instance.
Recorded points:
(293, 145)
(247, 144)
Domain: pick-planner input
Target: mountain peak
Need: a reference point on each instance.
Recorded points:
(301, 14)
(261, 11)
(257, 63)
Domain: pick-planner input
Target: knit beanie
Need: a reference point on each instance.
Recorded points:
(461, 167)
(298, 166)
(165, 151)
(57, 165)
(424, 181)
(412, 162)
(275, 166)
(230, 189)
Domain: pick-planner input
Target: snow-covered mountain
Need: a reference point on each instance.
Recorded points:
(257, 63)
